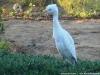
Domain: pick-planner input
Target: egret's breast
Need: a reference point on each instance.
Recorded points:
(63, 42)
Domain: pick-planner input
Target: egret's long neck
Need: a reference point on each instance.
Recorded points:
(56, 21)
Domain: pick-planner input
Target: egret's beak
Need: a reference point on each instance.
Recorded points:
(44, 11)
(47, 14)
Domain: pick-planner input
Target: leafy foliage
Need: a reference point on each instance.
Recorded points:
(4, 45)
(80, 8)
(27, 2)
(1, 23)
(24, 64)
(77, 8)
(0, 12)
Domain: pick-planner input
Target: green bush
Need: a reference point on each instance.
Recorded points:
(27, 2)
(80, 8)
(1, 27)
(0, 12)
(24, 64)
(1, 23)
(4, 46)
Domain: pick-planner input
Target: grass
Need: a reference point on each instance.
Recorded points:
(4, 45)
(25, 64)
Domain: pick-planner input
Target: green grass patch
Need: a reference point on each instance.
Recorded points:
(4, 45)
(25, 64)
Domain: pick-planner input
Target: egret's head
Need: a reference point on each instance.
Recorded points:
(52, 9)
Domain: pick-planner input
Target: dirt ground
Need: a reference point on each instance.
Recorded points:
(36, 37)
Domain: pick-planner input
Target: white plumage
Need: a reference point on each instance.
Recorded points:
(63, 40)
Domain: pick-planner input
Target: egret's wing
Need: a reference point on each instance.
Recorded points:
(61, 47)
(63, 43)
(69, 43)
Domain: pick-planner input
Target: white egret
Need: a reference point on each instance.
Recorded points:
(63, 40)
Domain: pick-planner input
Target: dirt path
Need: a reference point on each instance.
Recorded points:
(36, 37)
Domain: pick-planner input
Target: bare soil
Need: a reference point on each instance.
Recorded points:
(35, 37)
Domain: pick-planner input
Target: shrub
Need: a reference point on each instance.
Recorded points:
(0, 12)
(27, 2)
(4, 46)
(80, 8)
(1, 27)
(1, 23)
(24, 64)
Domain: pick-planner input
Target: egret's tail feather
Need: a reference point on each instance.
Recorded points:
(73, 61)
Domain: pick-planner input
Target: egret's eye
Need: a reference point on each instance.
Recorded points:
(49, 9)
